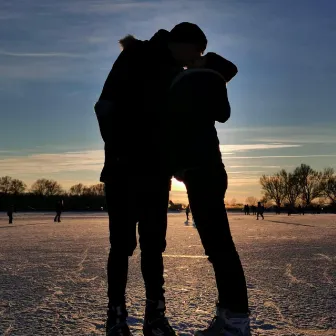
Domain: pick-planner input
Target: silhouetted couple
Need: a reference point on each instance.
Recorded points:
(149, 111)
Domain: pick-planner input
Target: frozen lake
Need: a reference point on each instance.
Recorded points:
(53, 281)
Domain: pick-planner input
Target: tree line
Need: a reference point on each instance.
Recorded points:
(44, 194)
(46, 187)
(302, 186)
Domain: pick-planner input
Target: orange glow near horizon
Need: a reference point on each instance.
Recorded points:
(177, 185)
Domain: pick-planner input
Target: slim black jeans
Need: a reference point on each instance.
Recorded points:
(131, 200)
(206, 189)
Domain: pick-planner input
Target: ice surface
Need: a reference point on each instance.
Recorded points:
(53, 278)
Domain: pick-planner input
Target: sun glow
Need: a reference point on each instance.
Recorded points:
(177, 185)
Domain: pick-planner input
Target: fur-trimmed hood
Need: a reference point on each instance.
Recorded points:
(160, 37)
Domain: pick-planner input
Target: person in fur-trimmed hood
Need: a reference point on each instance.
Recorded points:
(132, 117)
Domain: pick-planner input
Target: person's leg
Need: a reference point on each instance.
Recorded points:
(120, 200)
(59, 217)
(206, 191)
(152, 236)
(55, 218)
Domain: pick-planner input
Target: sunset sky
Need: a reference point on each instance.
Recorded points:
(55, 56)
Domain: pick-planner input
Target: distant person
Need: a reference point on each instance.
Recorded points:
(318, 209)
(10, 214)
(131, 113)
(300, 210)
(199, 99)
(59, 209)
(253, 207)
(187, 210)
(260, 210)
(277, 210)
(245, 209)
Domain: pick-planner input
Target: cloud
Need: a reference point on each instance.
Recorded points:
(45, 54)
(229, 149)
(107, 7)
(36, 164)
(266, 167)
(280, 156)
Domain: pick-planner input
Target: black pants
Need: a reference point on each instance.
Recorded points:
(10, 219)
(131, 200)
(206, 190)
(57, 217)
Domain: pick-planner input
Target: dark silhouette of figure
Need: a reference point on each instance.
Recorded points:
(59, 209)
(318, 209)
(247, 209)
(10, 214)
(198, 99)
(277, 210)
(300, 210)
(290, 209)
(253, 207)
(260, 210)
(131, 113)
(187, 210)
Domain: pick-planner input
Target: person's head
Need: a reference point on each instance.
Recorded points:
(217, 63)
(187, 43)
(259, 203)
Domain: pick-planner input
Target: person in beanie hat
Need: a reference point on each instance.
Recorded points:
(132, 118)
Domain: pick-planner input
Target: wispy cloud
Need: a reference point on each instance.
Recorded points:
(280, 156)
(53, 163)
(107, 7)
(44, 54)
(228, 149)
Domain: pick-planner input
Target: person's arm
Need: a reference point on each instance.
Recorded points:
(220, 64)
(119, 87)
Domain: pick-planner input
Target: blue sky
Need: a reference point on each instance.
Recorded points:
(54, 58)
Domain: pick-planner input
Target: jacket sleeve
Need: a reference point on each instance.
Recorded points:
(220, 64)
(224, 109)
(120, 85)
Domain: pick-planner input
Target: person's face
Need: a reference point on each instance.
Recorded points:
(185, 53)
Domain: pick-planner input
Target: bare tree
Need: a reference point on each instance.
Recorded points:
(44, 187)
(77, 189)
(8, 185)
(329, 184)
(310, 182)
(273, 188)
(17, 187)
(233, 202)
(292, 188)
(251, 200)
(5, 184)
(94, 190)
